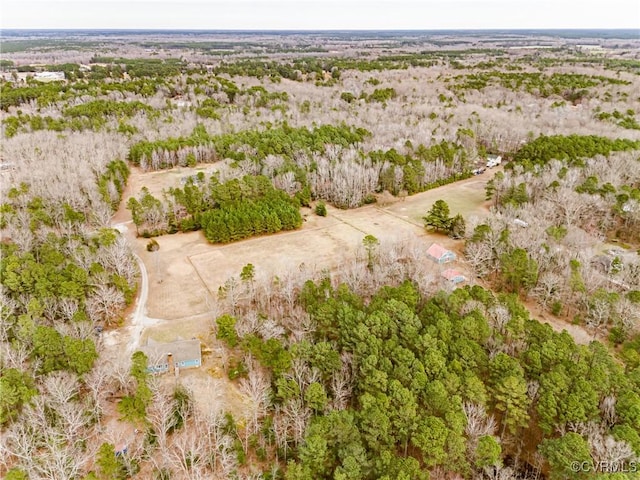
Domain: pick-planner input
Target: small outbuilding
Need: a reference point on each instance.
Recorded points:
(493, 160)
(439, 254)
(520, 223)
(49, 76)
(165, 357)
(453, 276)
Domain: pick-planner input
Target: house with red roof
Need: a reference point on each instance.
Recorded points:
(439, 254)
(453, 276)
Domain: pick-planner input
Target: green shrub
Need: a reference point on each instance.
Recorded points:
(227, 330)
(153, 245)
(617, 335)
(381, 95)
(321, 209)
(347, 97)
(369, 199)
(236, 369)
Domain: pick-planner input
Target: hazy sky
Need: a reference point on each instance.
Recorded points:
(314, 14)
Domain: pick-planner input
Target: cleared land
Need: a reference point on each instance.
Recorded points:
(185, 274)
(466, 197)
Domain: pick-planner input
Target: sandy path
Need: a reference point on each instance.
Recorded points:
(193, 267)
(130, 335)
(579, 333)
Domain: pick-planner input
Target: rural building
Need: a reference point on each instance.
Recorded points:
(453, 276)
(520, 223)
(49, 76)
(166, 357)
(440, 255)
(493, 160)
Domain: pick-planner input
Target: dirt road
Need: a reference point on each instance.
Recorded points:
(130, 334)
(188, 271)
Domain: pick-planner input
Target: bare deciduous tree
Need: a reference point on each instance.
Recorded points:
(342, 383)
(105, 303)
(161, 415)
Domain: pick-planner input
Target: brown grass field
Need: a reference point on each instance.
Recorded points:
(185, 274)
(466, 197)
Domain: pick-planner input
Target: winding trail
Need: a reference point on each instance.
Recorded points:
(131, 333)
(139, 318)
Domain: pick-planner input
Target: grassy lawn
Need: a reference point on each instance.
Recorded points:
(466, 197)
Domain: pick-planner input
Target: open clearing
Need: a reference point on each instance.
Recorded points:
(185, 274)
(187, 271)
(466, 197)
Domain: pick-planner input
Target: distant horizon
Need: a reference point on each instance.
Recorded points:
(568, 33)
(316, 15)
(313, 30)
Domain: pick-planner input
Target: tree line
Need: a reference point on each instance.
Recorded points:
(553, 217)
(46, 94)
(226, 212)
(92, 115)
(570, 86)
(322, 162)
(283, 140)
(66, 276)
(397, 385)
(573, 148)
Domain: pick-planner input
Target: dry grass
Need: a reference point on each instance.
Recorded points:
(196, 326)
(466, 197)
(185, 274)
(175, 291)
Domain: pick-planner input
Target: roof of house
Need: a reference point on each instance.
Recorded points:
(437, 251)
(180, 349)
(46, 76)
(520, 223)
(450, 274)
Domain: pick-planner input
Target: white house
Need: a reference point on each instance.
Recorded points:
(493, 160)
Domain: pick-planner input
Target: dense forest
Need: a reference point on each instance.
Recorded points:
(226, 212)
(462, 381)
(558, 195)
(362, 364)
